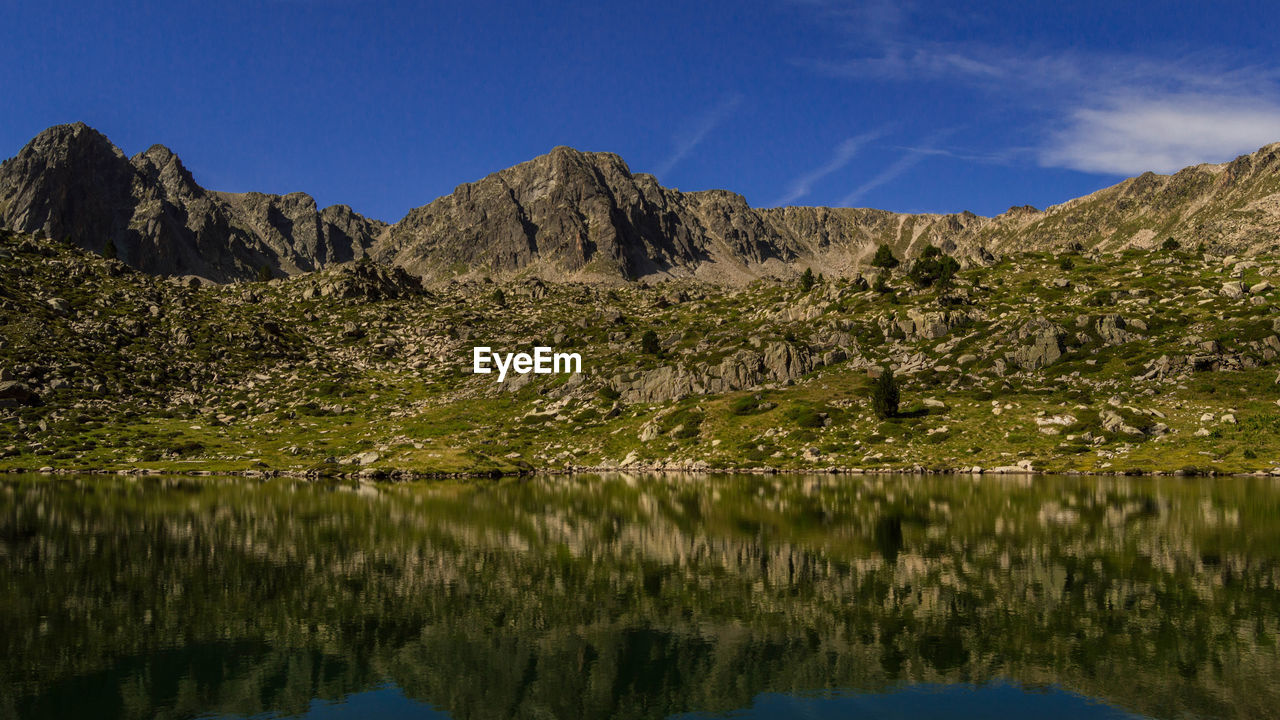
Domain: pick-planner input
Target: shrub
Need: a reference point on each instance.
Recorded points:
(745, 405)
(1170, 245)
(933, 267)
(264, 273)
(1066, 264)
(884, 395)
(649, 343)
(109, 250)
(806, 417)
(499, 298)
(884, 258)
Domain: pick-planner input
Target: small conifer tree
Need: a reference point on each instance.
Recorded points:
(806, 280)
(884, 395)
(884, 258)
(649, 343)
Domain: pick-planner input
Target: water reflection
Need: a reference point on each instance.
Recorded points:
(622, 596)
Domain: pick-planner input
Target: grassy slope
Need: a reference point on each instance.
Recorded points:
(256, 376)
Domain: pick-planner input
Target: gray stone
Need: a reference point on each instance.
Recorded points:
(1234, 290)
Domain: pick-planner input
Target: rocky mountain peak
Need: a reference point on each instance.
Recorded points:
(571, 214)
(70, 182)
(159, 164)
(71, 141)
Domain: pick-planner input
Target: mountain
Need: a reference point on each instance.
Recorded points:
(585, 215)
(576, 212)
(71, 182)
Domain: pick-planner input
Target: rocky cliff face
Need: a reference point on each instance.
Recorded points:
(571, 214)
(563, 212)
(71, 182)
(582, 214)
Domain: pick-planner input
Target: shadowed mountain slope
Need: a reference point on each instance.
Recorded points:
(71, 182)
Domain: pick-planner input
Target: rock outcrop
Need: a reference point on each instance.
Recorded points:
(71, 183)
(777, 362)
(1039, 343)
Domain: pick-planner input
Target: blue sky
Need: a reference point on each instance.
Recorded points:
(909, 106)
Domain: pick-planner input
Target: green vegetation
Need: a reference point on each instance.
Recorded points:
(933, 268)
(806, 280)
(649, 343)
(884, 258)
(884, 395)
(1122, 363)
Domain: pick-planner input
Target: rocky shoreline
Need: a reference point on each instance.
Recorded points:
(398, 475)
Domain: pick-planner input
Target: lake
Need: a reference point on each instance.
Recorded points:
(632, 596)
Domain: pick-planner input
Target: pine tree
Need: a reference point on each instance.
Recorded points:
(109, 250)
(264, 273)
(884, 258)
(884, 395)
(806, 280)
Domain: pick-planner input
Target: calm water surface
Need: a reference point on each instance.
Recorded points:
(640, 597)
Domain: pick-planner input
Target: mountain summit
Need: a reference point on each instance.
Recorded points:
(572, 214)
(71, 182)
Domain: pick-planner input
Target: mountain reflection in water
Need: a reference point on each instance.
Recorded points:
(640, 597)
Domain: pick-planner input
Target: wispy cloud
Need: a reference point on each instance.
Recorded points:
(908, 160)
(840, 157)
(909, 61)
(1101, 113)
(697, 129)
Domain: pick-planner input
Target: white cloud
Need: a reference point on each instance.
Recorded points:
(1129, 136)
(843, 153)
(1106, 113)
(697, 130)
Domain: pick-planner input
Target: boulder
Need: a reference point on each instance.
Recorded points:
(14, 393)
(1234, 290)
(920, 325)
(1113, 422)
(1112, 330)
(1040, 345)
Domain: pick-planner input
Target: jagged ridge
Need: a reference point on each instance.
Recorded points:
(571, 214)
(71, 182)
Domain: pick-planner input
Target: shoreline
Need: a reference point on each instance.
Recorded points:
(398, 475)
